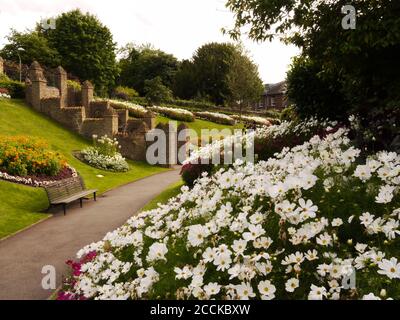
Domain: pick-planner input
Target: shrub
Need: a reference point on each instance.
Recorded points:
(156, 91)
(104, 155)
(135, 111)
(174, 113)
(253, 120)
(125, 93)
(295, 227)
(74, 84)
(26, 156)
(289, 114)
(16, 89)
(191, 172)
(216, 117)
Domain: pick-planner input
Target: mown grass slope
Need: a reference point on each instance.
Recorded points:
(20, 206)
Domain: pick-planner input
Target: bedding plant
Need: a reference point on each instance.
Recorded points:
(296, 226)
(104, 155)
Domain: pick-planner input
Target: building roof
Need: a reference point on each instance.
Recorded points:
(275, 88)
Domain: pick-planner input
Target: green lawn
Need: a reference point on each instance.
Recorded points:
(198, 125)
(164, 196)
(20, 205)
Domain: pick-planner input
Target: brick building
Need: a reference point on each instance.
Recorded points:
(274, 96)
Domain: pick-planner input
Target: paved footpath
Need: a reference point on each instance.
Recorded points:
(59, 238)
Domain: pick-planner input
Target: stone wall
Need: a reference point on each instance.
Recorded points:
(79, 112)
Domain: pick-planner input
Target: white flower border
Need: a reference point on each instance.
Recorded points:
(31, 182)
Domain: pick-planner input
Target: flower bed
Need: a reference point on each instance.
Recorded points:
(253, 120)
(27, 156)
(104, 155)
(4, 94)
(28, 161)
(292, 227)
(216, 117)
(41, 180)
(135, 111)
(175, 113)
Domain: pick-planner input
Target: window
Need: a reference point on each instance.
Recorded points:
(273, 104)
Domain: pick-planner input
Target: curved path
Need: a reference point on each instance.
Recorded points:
(58, 239)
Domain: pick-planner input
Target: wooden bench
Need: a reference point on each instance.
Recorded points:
(66, 191)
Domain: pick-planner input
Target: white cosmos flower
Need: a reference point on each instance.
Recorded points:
(385, 194)
(196, 234)
(317, 293)
(266, 289)
(307, 209)
(291, 285)
(337, 222)
(370, 296)
(324, 240)
(255, 231)
(223, 261)
(363, 172)
(212, 289)
(239, 246)
(390, 268)
(244, 291)
(366, 219)
(312, 255)
(157, 251)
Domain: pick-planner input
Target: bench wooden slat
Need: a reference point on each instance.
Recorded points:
(77, 196)
(67, 190)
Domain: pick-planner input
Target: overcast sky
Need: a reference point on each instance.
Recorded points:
(175, 26)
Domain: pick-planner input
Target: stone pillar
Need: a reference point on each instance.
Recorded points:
(39, 84)
(1, 65)
(87, 96)
(111, 123)
(61, 84)
(182, 142)
(150, 120)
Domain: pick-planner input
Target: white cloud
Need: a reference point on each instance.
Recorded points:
(175, 26)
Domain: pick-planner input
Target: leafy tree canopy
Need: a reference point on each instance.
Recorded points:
(86, 48)
(141, 63)
(30, 46)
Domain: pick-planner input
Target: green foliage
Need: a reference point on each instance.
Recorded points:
(35, 47)
(191, 172)
(289, 114)
(243, 80)
(340, 72)
(74, 84)
(15, 88)
(125, 93)
(221, 73)
(86, 48)
(156, 91)
(141, 63)
(314, 94)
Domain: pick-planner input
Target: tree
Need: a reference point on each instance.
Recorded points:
(156, 91)
(35, 47)
(363, 61)
(86, 48)
(243, 80)
(211, 65)
(141, 63)
(184, 85)
(221, 73)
